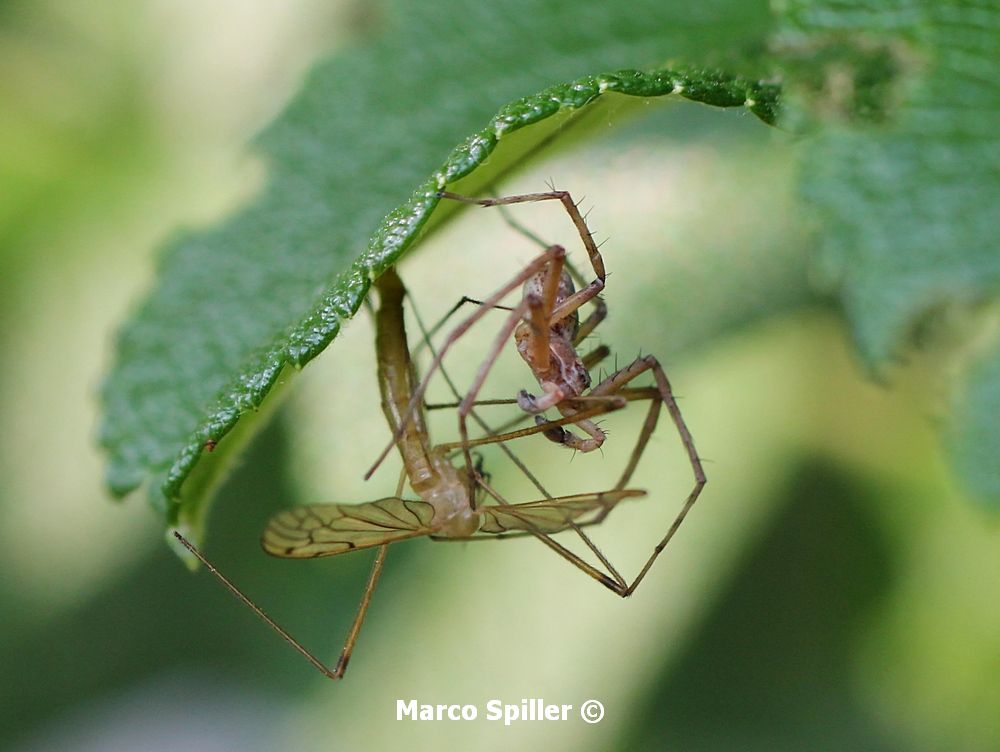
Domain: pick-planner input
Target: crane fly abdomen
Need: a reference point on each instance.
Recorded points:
(396, 380)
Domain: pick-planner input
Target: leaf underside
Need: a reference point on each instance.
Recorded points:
(236, 305)
(900, 167)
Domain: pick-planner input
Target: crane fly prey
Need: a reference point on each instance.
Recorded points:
(447, 509)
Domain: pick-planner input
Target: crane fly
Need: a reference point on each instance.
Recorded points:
(448, 508)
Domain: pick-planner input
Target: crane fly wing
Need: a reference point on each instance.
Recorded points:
(550, 515)
(305, 532)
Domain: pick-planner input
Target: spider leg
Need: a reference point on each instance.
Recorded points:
(458, 398)
(596, 261)
(550, 263)
(604, 405)
(532, 268)
(664, 396)
(615, 583)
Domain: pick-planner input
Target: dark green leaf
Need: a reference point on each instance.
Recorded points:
(361, 150)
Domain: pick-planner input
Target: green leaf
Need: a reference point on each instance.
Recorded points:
(904, 169)
(359, 150)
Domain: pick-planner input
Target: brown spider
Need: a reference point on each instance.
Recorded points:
(546, 328)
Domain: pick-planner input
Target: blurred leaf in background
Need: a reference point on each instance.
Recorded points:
(120, 123)
(903, 172)
(825, 568)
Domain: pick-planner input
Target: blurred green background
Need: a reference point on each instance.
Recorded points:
(832, 589)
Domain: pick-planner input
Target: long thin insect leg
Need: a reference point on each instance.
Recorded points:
(618, 588)
(504, 536)
(428, 334)
(612, 386)
(499, 342)
(465, 299)
(418, 394)
(615, 382)
(475, 416)
(589, 324)
(607, 404)
(664, 384)
(589, 291)
(573, 558)
(337, 671)
(604, 404)
(595, 356)
(562, 196)
(477, 403)
(600, 307)
(599, 554)
(359, 618)
(662, 395)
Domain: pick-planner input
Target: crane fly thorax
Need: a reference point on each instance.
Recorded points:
(454, 516)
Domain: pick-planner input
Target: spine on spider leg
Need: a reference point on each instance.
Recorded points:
(397, 379)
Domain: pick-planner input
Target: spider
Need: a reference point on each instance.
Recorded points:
(545, 324)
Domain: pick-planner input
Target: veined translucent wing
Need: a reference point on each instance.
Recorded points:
(550, 515)
(306, 532)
